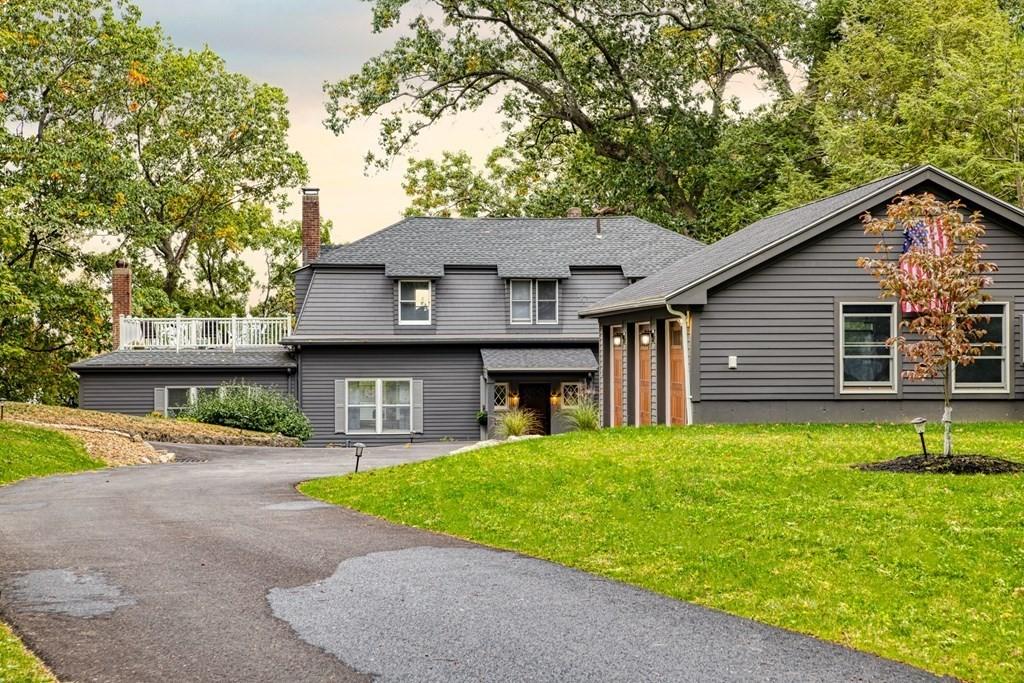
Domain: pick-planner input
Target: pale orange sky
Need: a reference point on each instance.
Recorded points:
(299, 45)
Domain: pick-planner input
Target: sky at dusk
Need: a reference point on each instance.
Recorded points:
(297, 46)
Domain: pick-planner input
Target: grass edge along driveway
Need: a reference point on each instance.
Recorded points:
(764, 521)
(33, 452)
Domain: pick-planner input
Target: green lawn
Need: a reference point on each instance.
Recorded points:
(769, 522)
(32, 452)
(17, 664)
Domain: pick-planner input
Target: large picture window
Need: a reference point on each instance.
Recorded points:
(867, 364)
(989, 371)
(414, 302)
(379, 406)
(521, 301)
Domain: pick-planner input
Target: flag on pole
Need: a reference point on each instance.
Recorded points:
(929, 236)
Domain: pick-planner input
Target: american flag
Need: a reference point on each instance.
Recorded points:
(921, 236)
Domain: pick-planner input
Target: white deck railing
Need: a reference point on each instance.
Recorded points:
(202, 333)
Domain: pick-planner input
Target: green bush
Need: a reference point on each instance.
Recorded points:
(517, 422)
(583, 417)
(249, 407)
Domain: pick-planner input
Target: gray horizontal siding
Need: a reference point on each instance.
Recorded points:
(302, 279)
(466, 301)
(843, 411)
(451, 387)
(781, 322)
(131, 392)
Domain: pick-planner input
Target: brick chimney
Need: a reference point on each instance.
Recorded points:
(310, 224)
(121, 290)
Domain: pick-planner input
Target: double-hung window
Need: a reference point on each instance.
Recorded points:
(990, 370)
(521, 301)
(414, 302)
(523, 294)
(867, 364)
(379, 406)
(547, 302)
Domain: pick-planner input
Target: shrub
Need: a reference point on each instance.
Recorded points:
(517, 422)
(249, 407)
(583, 417)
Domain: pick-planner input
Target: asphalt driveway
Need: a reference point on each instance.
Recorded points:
(218, 570)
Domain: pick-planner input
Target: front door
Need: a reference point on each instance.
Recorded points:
(537, 398)
(676, 373)
(643, 373)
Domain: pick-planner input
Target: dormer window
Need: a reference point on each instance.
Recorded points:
(414, 302)
(521, 301)
(533, 301)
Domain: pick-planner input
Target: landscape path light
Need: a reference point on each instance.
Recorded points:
(919, 424)
(359, 446)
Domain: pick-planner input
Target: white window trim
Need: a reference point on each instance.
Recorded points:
(378, 405)
(581, 393)
(193, 395)
(869, 388)
(536, 305)
(511, 319)
(1004, 387)
(430, 304)
(508, 395)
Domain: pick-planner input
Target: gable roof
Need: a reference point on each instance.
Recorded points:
(733, 254)
(518, 247)
(194, 359)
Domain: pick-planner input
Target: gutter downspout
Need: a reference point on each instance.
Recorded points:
(684, 324)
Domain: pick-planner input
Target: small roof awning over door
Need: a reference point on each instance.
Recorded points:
(564, 359)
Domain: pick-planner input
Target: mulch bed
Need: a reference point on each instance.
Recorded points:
(937, 464)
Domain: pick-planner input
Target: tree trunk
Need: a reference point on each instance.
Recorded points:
(947, 413)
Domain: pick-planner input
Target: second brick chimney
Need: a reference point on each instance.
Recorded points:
(121, 291)
(310, 224)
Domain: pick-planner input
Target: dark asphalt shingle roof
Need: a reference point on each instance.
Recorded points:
(573, 359)
(519, 247)
(734, 248)
(189, 358)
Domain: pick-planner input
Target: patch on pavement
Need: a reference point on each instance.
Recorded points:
(62, 591)
(470, 614)
(298, 505)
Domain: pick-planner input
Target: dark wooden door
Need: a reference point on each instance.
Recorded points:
(537, 398)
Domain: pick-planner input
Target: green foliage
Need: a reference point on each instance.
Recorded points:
(33, 452)
(768, 522)
(250, 407)
(517, 422)
(585, 416)
(17, 663)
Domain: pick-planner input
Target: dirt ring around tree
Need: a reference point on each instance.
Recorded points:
(937, 464)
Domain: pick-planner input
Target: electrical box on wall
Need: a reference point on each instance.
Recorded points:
(733, 362)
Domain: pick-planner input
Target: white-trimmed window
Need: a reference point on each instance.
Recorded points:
(520, 293)
(179, 398)
(379, 406)
(866, 363)
(573, 393)
(501, 395)
(547, 302)
(989, 371)
(414, 302)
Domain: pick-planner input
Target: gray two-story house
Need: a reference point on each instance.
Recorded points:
(408, 333)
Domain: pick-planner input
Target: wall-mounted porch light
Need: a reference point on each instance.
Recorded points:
(514, 400)
(919, 425)
(645, 338)
(617, 339)
(554, 399)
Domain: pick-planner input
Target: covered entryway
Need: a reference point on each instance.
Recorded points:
(543, 380)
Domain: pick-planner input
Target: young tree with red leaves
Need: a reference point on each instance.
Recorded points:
(939, 279)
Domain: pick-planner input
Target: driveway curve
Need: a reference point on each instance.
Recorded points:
(216, 569)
